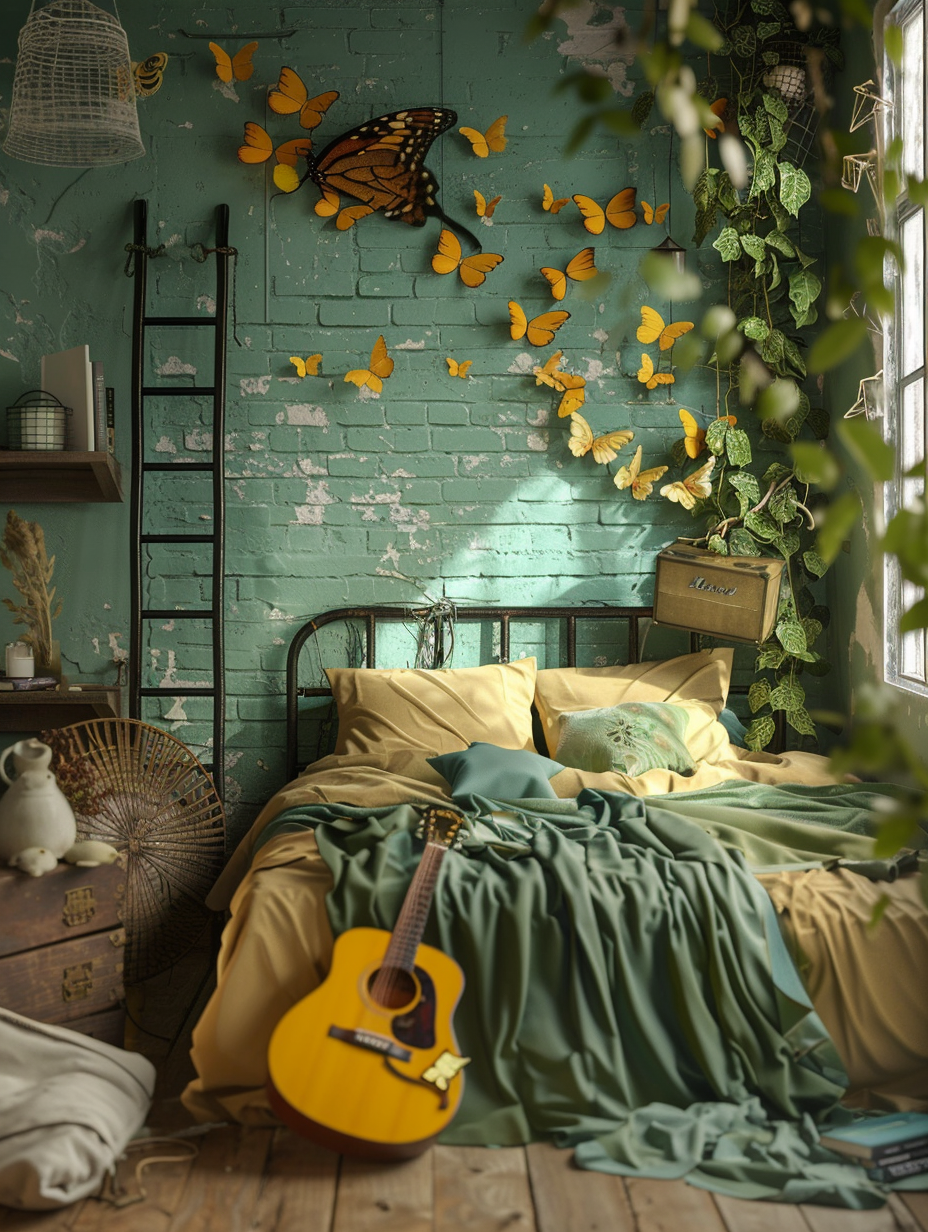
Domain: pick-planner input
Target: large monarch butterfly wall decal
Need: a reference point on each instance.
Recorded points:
(379, 163)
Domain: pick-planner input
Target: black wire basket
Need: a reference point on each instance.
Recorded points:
(38, 420)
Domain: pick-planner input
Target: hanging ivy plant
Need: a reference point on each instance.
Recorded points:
(773, 289)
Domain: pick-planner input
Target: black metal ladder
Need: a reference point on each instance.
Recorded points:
(214, 614)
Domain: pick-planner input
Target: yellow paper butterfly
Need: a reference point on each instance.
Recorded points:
(656, 213)
(549, 204)
(472, 270)
(620, 211)
(694, 440)
(718, 108)
(381, 365)
(257, 147)
(238, 66)
(350, 215)
(549, 374)
(458, 369)
(579, 268)
(604, 448)
(290, 95)
(308, 366)
(632, 476)
(653, 329)
(540, 330)
(485, 209)
(651, 379)
(148, 76)
(493, 139)
(574, 394)
(694, 487)
(328, 203)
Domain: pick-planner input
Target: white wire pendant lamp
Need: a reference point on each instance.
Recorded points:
(74, 92)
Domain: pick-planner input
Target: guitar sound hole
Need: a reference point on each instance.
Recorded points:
(392, 987)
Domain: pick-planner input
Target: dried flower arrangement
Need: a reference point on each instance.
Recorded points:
(23, 553)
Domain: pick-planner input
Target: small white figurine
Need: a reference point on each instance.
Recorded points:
(90, 853)
(35, 861)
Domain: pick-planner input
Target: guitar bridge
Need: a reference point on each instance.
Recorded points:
(371, 1041)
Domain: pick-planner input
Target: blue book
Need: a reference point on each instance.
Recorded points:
(873, 1138)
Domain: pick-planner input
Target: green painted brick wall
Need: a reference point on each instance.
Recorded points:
(334, 496)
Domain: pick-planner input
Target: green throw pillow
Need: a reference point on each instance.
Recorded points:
(632, 737)
(500, 774)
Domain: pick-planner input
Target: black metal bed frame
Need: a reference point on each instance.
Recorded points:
(502, 616)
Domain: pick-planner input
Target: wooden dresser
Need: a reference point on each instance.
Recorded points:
(61, 948)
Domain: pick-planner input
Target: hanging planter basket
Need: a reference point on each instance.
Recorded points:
(73, 94)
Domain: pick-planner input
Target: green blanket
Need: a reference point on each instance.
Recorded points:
(628, 992)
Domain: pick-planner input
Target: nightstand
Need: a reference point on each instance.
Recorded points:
(61, 948)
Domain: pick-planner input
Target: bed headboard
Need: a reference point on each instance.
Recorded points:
(368, 620)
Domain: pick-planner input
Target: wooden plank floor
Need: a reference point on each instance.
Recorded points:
(269, 1180)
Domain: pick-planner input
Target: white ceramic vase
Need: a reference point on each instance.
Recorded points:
(33, 810)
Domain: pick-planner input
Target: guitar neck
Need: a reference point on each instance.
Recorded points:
(410, 925)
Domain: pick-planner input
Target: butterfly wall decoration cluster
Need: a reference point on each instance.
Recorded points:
(379, 163)
(653, 328)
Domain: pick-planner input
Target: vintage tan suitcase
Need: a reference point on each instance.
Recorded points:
(61, 948)
(734, 598)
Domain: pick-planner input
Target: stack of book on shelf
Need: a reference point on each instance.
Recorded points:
(27, 684)
(79, 383)
(890, 1147)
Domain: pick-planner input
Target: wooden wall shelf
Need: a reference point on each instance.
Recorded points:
(43, 709)
(65, 475)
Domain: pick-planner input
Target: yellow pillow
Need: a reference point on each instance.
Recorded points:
(694, 678)
(437, 711)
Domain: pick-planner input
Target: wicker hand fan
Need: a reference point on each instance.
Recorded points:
(141, 790)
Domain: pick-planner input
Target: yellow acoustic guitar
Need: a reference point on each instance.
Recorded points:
(368, 1064)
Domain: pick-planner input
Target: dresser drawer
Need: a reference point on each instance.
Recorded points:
(67, 902)
(67, 981)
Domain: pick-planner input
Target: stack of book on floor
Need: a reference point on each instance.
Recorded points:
(890, 1147)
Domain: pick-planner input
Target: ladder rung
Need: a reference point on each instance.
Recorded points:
(177, 391)
(170, 613)
(178, 691)
(177, 538)
(180, 467)
(156, 320)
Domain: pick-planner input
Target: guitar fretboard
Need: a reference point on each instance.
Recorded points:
(410, 924)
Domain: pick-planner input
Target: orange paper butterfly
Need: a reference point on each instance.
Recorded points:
(579, 268)
(718, 108)
(238, 67)
(620, 211)
(656, 213)
(604, 448)
(632, 476)
(485, 209)
(381, 365)
(458, 369)
(540, 330)
(290, 96)
(257, 147)
(651, 379)
(548, 202)
(653, 329)
(493, 139)
(694, 487)
(472, 270)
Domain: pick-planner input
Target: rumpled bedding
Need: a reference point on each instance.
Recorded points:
(676, 1038)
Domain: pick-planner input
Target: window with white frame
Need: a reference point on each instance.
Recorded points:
(905, 658)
